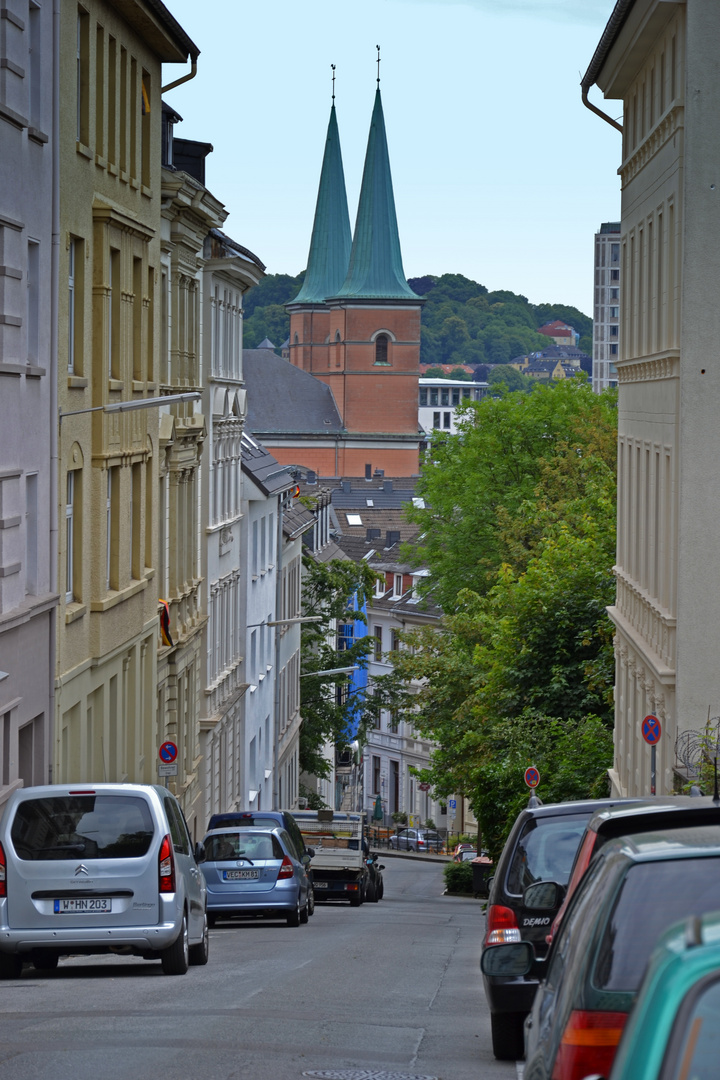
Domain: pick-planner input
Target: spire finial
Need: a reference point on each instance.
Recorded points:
(378, 64)
(333, 83)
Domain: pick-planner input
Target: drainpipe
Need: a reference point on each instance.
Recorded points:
(604, 116)
(276, 673)
(54, 376)
(185, 78)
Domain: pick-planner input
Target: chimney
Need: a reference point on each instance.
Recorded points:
(311, 477)
(346, 486)
(392, 538)
(368, 472)
(379, 473)
(373, 534)
(387, 485)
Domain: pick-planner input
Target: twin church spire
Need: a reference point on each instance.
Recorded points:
(368, 266)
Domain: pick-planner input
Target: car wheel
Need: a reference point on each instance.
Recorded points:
(45, 961)
(311, 901)
(381, 889)
(304, 914)
(508, 1041)
(176, 958)
(199, 953)
(293, 917)
(372, 896)
(356, 899)
(11, 966)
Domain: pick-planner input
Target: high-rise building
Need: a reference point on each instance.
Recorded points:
(606, 306)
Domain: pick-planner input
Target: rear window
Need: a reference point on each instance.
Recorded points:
(82, 827)
(545, 851)
(242, 845)
(652, 897)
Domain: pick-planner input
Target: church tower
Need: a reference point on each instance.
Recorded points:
(369, 352)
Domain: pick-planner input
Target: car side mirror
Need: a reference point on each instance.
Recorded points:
(380, 866)
(510, 960)
(200, 855)
(310, 851)
(543, 896)
(305, 860)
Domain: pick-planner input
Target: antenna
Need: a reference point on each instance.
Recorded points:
(378, 64)
(333, 83)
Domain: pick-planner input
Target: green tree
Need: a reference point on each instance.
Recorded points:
(460, 373)
(509, 377)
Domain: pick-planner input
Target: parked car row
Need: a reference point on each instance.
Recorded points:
(583, 894)
(104, 868)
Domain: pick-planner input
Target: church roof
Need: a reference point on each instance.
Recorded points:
(283, 399)
(331, 238)
(376, 271)
(266, 343)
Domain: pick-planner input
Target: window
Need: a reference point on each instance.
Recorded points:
(75, 294)
(380, 586)
(145, 143)
(613, 331)
(375, 775)
(423, 395)
(70, 538)
(33, 301)
(353, 519)
(31, 533)
(615, 253)
(137, 313)
(114, 316)
(398, 585)
(614, 294)
(377, 653)
(35, 66)
(255, 549)
(381, 349)
(111, 524)
(135, 504)
(456, 395)
(613, 350)
(613, 312)
(614, 275)
(82, 73)
(433, 395)
(100, 91)
(394, 723)
(394, 640)
(436, 419)
(446, 420)
(445, 395)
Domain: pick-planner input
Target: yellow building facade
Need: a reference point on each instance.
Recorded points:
(110, 333)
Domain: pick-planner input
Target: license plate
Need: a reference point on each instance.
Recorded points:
(240, 875)
(92, 905)
(320, 885)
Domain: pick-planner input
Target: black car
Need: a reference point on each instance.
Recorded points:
(541, 846)
(269, 819)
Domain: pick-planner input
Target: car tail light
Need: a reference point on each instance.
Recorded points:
(3, 873)
(501, 925)
(588, 1044)
(166, 868)
(286, 869)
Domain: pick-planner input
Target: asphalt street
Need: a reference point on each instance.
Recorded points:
(387, 989)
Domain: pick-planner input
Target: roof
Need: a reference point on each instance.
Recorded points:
(376, 270)
(614, 26)
(220, 241)
(386, 493)
(266, 343)
(262, 468)
(285, 399)
(610, 227)
(331, 239)
(297, 519)
(157, 27)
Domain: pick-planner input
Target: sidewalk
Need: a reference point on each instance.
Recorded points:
(430, 856)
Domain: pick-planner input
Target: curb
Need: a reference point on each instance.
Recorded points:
(390, 853)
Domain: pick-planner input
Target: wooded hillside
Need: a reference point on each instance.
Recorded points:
(462, 322)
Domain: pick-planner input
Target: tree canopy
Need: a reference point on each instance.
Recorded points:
(518, 532)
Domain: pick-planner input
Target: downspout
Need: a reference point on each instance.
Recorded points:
(54, 376)
(614, 26)
(276, 673)
(184, 78)
(593, 108)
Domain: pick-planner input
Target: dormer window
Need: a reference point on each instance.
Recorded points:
(381, 349)
(398, 586)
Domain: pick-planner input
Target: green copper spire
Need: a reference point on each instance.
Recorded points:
(376, 270)
(331, 238)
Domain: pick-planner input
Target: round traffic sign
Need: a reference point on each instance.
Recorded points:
(167, 752)
(651, 730)
(532, 777)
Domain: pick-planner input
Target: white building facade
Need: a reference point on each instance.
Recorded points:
(606, 306)
(439, 399)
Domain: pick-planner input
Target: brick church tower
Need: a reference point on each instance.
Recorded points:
(356, 326)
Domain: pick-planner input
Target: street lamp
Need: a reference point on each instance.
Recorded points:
(137, 403)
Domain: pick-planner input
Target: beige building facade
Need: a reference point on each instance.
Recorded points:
(110, 309)
(658, 58)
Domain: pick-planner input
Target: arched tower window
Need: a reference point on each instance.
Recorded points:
(296, 339)
(381, 349)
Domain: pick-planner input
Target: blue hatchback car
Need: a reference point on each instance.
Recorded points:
(251, 871)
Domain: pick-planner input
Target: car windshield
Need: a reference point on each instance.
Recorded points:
(652, 897)
(252, 845)
(82, 827)
(545, 851)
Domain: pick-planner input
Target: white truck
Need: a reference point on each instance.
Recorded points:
(338, 865)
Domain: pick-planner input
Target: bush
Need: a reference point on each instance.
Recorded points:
(458, 877)
(400, 817)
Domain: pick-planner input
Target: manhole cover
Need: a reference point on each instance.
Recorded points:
(364, 1074)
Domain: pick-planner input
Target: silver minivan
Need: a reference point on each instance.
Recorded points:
(98, 868)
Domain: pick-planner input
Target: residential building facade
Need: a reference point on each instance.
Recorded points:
(109, 358)
(658, 59)
(28, 393)
(438, 400)
(606, 306)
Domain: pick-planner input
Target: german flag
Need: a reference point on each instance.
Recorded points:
(145, 100)
(165, 623)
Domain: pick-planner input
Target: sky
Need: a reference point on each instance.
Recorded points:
(500, 173)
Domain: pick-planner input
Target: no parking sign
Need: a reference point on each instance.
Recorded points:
(532, 777)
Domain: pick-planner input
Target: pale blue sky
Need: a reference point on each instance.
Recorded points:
(500, 172)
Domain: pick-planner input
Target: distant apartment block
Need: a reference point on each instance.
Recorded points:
(438, 401)
(606, 306)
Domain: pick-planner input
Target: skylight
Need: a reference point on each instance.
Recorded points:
(354, 519)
